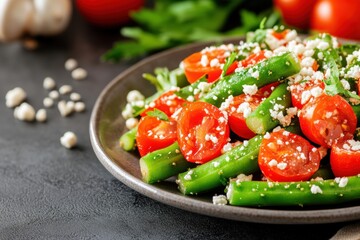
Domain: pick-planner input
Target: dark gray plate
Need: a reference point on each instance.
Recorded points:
(106, 125)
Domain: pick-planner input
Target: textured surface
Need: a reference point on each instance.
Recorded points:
(49, 192)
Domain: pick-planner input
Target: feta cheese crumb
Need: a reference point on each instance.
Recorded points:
(134, 95)
(219, 200)
(250, 89)
(79, 74)
(14, 97)
(49, 83)
(342, 181)
(54, 94)
(65, 89)
(41, 115)
(75, 97)
(79, 107)
(48, 102)
(68, 140)
(315, 189)
(131, 123)
(70, 64)
(65, 108)
(24, 112)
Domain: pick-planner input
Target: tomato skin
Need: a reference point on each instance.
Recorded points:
(287, 157)
(253, 59)
(168, 102)
(298, 89)
(237, 118)
(296, 13)
(327, 119)
(339, 18)
(108, 13)
(154, 134)
(194, 68)
(202, 131)
(345, 162)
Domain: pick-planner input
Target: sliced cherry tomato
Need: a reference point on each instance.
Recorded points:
(202, 131)
(339, 18)
(327, 119)
(168, 103)
(345, 158)
(154, 134)
(242, 106)
(253, 59)
(303, 92)
(296, 13)
(287, 157)
(207, 62)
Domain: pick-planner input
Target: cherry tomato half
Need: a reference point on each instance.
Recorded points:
(345, 158)
(339, 18)
(242, 106)
(287, 157)
(327, 119)
(154, 134)
(304, 92)
(202, 131)
(207, 63)
(168, 102)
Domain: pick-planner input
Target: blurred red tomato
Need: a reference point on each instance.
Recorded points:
(337, 17)
(108, 13)
(296, 13)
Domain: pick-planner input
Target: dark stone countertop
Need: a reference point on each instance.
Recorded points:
(50, 192)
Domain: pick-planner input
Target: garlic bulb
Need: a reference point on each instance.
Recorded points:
(14, 15)
(34, 17)
(49, 17)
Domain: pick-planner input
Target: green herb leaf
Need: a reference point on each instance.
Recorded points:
(230, 60)
(158, 114)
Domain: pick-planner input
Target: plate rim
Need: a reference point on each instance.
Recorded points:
(246, 214)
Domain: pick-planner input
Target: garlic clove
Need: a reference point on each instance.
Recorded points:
(49, 17)
(14, 15)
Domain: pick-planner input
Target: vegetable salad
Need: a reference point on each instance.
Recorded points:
(275, 114)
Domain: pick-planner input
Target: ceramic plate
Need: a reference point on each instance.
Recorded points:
(106, 126)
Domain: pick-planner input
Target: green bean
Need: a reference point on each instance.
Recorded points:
(241, 159)
(262, 118)
(128, 140)
(262, 193)
(263, 73)
(162, 164)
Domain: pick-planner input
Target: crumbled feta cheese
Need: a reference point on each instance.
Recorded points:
(41, 115)
(131, 123)
(79, 74)
(48, 102)
(281, 165)
(134, 95)
(70, 64)
(24, 112)
(74, 96)
(315, 189)
(54, 94)
(219, 200)
(49, 83)
(14, 97)
(65, 89)
(65, 108)
(243, 178)
(250, 89)
(68, 140)
(342, 181)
